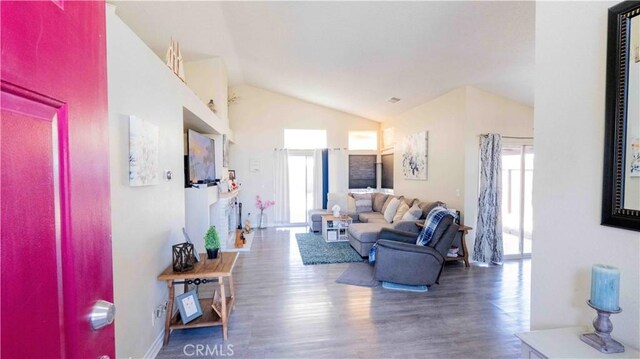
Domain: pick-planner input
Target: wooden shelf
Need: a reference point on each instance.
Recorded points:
(209, 317)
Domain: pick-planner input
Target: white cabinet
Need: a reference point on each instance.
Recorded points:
(564, 343)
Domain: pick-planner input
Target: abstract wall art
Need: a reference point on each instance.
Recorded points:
(143, 152)
(415, 156)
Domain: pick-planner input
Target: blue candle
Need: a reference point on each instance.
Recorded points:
(605, 287)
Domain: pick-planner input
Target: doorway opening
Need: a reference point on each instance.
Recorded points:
(301, 167)
(517, 209)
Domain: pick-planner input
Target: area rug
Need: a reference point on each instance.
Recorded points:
(360, 274)
(314, 250)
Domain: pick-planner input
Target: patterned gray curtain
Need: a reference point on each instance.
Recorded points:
(488, 244)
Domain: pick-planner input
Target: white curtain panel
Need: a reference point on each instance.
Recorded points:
(488, 243)
(281, 186)
(317, 178)
(338, 171)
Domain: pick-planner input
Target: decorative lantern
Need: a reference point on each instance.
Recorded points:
(183, 257)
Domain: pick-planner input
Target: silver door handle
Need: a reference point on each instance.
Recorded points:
(102, 314)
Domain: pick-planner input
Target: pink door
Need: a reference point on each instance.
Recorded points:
(55, 248)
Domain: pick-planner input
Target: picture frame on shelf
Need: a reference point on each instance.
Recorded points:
(189, 306)
(232, 175)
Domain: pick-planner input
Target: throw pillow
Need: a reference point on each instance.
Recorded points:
(351, 204)
(402, 209)
(409, 201)
(391, 210)
(428, 206)
(378, 201)
(386, 203)
(413, 214)
(363, 202)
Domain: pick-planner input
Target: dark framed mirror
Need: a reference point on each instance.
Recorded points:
(621, 184)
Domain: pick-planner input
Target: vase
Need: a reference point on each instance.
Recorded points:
(212, 253)
(262, 221)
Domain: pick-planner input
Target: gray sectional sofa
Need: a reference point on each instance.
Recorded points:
(366, 227)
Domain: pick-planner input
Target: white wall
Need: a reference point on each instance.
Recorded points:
(444, 118)
(258, 120)
(146, 221)
(455, 121)
(569, 139)
(208, 79)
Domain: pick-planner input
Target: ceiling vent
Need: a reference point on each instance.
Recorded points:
(393, 100)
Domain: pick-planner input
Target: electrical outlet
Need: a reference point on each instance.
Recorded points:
(165, 305)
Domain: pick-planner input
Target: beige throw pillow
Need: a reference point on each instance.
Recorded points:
(391, 210)
(402, 209)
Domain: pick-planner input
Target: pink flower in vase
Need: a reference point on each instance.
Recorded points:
(262, 205)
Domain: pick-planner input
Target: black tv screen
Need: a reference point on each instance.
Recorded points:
(201, 158)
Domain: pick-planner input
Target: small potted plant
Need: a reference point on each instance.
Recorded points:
(212, 243)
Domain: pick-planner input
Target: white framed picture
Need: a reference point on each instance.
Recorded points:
(143, 152)
(415, 156)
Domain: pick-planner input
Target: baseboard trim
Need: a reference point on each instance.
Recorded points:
(155, 347)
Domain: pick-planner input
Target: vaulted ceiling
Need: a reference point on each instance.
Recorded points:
(352, 56)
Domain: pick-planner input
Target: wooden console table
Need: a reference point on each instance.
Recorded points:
(462, 232)
(205, 271)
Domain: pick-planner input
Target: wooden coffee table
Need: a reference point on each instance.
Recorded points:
(205, 271)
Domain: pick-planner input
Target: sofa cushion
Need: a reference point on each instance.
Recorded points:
(377, 220)
(363, 202)
(378, 201)
(413, 214)
(386, 203)
(367, 232)
(351, 204)
(391, 210)
(402, 209)
(316, 214)
(426, 207)
(410, 201)
(365, 217)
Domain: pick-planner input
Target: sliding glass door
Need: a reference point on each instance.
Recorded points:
(517, 189)
(301, 184)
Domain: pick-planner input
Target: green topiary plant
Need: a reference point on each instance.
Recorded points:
(212, 239)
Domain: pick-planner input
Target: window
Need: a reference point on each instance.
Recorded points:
(305, 139)
(387, 171)
(362, 171)
(363, 140)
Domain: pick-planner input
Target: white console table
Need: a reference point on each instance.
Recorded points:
(565, 343)
(205, 207)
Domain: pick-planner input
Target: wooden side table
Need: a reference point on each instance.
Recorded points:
(205, 271)
(462, 232)
(334, 229)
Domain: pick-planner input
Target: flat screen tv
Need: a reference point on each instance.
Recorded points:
(201, 159)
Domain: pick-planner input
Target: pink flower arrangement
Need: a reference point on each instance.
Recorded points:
(262, 205)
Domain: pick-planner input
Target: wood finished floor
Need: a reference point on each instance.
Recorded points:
(286, 309)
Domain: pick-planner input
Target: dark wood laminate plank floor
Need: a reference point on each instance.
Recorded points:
(285, 309)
